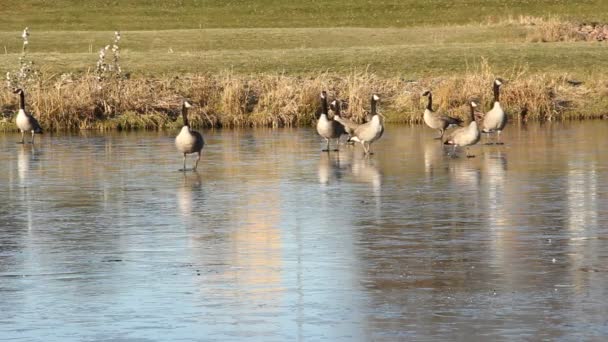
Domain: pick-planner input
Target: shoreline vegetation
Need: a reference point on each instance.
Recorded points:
(231, 100)
(551, 67)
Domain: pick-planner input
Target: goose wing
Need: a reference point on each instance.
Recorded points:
(199, 142)
(338, 128)
(35, 125)
(450, 120)
(449, 138)
(349, 126)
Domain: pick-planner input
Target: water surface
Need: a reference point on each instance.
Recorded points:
(101, 238)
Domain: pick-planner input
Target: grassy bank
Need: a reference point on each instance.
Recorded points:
(392, 52)
(251, 63)
(231, 100)
(126, 15)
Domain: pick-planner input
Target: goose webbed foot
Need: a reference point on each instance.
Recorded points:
(470, 156)
(20, 142)
(499, 143)
(324, 150)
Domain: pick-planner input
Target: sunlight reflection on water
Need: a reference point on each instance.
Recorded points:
(274, 240)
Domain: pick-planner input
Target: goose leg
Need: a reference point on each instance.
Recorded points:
(467, 152)
(337, 149)
(198, 157)
(440, 134)
(498, 142)
(22, 138)
(367, 148)
(453, 154)
(489, 139)
(32, 141)
(364, 147)
(327, 147)
(184, 169)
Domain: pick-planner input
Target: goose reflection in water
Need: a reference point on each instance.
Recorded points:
(25, 158)
(26, 155)
(433, 154)
(332, 166)
(191, 185)
(365, 170)
(465, 175)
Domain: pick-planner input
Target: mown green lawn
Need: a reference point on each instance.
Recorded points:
(396, 38)
(45, 15)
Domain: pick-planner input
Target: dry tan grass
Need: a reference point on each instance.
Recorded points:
(230, 100)
(555, 29)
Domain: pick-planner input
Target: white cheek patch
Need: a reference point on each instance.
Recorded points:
(376, 97)
(498, 82)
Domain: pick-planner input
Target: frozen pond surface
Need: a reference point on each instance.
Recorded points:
(101, 238)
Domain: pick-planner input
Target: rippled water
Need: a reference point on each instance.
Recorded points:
(101, 238)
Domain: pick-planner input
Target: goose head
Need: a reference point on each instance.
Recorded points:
(335, 105)
(185, 105)
(429, 105)
(499, 82)
(18, 91)
(324, 109)
(375, 99)
(473, 104)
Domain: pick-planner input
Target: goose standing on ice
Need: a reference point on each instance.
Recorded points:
(465, 136)
(496, 119)
(436, 120)
(189, 141)
(328, 128)
(349, 126)
(26, 122)
(370, 131)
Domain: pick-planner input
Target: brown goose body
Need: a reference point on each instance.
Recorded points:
(26, 122)
(435, 120)
(465, 136)
(189, 141)
(328, 128)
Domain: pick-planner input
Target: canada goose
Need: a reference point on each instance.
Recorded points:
(371, 130)
(495, 120)
(349, 126)
(465, 136)
(189, 141)
(436, 120)
(26, 122)
(328, 128)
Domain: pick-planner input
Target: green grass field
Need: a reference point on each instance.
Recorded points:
(398, 38)
(439, 43)
(128, 15)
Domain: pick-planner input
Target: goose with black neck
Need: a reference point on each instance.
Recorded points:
(495, 120)
(25, 121)
(189, 141)
(435, 120)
